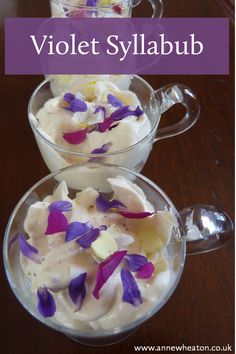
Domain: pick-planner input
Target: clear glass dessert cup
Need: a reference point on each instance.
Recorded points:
(153, 102)
(198, 229)
(117, 7)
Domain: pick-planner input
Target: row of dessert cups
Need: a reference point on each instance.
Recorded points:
(199, 229)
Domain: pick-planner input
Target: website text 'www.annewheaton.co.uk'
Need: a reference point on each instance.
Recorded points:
(183, 348)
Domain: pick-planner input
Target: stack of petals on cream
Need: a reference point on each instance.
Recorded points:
(100, 119)
(95, 262)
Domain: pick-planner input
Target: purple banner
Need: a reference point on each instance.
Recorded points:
(116, 46)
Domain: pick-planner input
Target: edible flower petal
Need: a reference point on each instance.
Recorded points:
(146, 271)
(131, 292)
(112, 100)
(102, 127)
(91, 2)
(136, 261)
(103, 204)
(77, 290)
(133, 215)
(76, 229)
(46, 302)
(117, 9)
(96, 118)
(138, 111)
(106, 269)
(87, 239)
(27, 250)
(124, 112)
(75, 138)
(102, 150)
(57, 222)
(68, 97)
(60, 205)
(75, 104)
(101, 108)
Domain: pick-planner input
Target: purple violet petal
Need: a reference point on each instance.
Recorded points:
(27, 250)
(131, 292)
(68, 97)
(60, 205)
(46, 302)
(113, 101)
(101, 108)
(136, 261)
(77, 137)
(146, 271)
(105, 125)
(57, 222)
(138, 111)
(77, 229)
(77, 105)
(102, 150)
(116, 204)
(77, 290)
(87, 239)
(133, 215)
(106, 269)
(124, 112)
(102, 204)
(91, 2)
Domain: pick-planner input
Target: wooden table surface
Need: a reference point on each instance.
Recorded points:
(196, 167)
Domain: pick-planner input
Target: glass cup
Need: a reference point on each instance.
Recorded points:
(117, 7)
(202, 227)
(153, 103)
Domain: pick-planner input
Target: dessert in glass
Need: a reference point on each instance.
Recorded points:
(93, 8)
(105, 123)
(97, 260)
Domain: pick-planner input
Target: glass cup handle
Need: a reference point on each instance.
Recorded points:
(157, 7)
(170, 95)
(206, 228)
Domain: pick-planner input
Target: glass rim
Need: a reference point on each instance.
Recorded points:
(102, 332)
(83, 154)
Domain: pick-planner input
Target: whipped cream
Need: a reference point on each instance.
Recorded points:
(54, 120)
(82, 83)
(61, 261)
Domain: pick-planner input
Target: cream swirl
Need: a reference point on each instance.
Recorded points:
(63, 261)
(54, 120)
